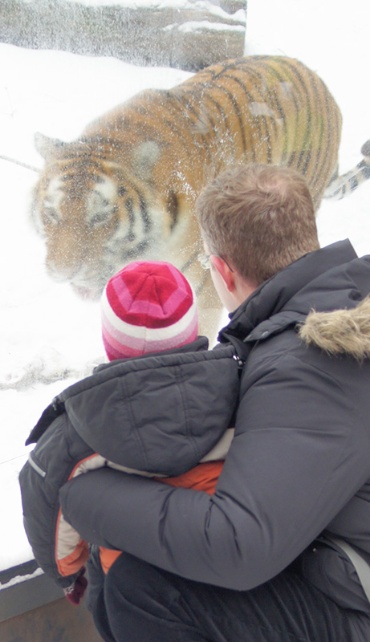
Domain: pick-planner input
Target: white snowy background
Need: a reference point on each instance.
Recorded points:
(48, 337)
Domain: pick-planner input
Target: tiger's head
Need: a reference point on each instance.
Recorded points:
(97, 210)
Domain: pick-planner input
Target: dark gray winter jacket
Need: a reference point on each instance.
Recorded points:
(124, 416)
(298, 470)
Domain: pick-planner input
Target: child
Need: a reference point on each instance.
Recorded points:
(147, 308)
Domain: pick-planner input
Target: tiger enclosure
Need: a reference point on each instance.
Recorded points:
(113, 115)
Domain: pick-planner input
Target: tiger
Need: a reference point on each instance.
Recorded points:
(125, 188)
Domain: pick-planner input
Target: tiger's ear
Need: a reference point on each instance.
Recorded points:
(46, 146)
(145, 157)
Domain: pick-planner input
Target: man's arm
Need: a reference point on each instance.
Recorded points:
(293, 464)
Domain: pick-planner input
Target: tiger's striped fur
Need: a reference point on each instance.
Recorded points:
(343, 185)
(126, 188)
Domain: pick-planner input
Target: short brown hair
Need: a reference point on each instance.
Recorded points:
(260, 218)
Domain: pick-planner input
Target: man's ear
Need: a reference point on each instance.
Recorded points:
(224, 271)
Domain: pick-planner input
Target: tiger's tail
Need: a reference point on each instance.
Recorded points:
(341, 186)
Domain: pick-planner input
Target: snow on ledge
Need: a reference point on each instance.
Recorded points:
(17, 579)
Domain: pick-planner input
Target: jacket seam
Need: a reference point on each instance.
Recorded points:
(126, 394)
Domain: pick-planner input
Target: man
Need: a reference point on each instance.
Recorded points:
(265, 559)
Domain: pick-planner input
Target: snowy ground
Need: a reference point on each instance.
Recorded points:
(49, 338)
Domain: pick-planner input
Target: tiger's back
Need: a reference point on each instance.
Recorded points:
(268, 109)
(126, 188)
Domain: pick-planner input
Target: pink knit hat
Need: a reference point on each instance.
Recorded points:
(147, 307)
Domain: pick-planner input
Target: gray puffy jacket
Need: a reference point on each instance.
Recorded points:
(123, 416)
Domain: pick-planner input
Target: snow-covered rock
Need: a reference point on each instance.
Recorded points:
(188, 34)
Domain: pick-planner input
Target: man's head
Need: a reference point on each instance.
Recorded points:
(147, 307)
(257, 219)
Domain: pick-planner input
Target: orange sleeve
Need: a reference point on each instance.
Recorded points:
(201, 477)
(107, 557)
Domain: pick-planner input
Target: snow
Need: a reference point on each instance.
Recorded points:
(179, 4)
(49, 338)
(20, 578)
(205, 26)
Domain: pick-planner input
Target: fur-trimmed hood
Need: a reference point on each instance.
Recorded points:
(340, 331)
(325, 295)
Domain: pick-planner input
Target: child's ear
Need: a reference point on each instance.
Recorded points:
(224, 271)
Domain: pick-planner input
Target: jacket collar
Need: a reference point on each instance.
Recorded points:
(286, 298)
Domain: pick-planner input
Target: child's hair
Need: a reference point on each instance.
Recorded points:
(147, 307)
